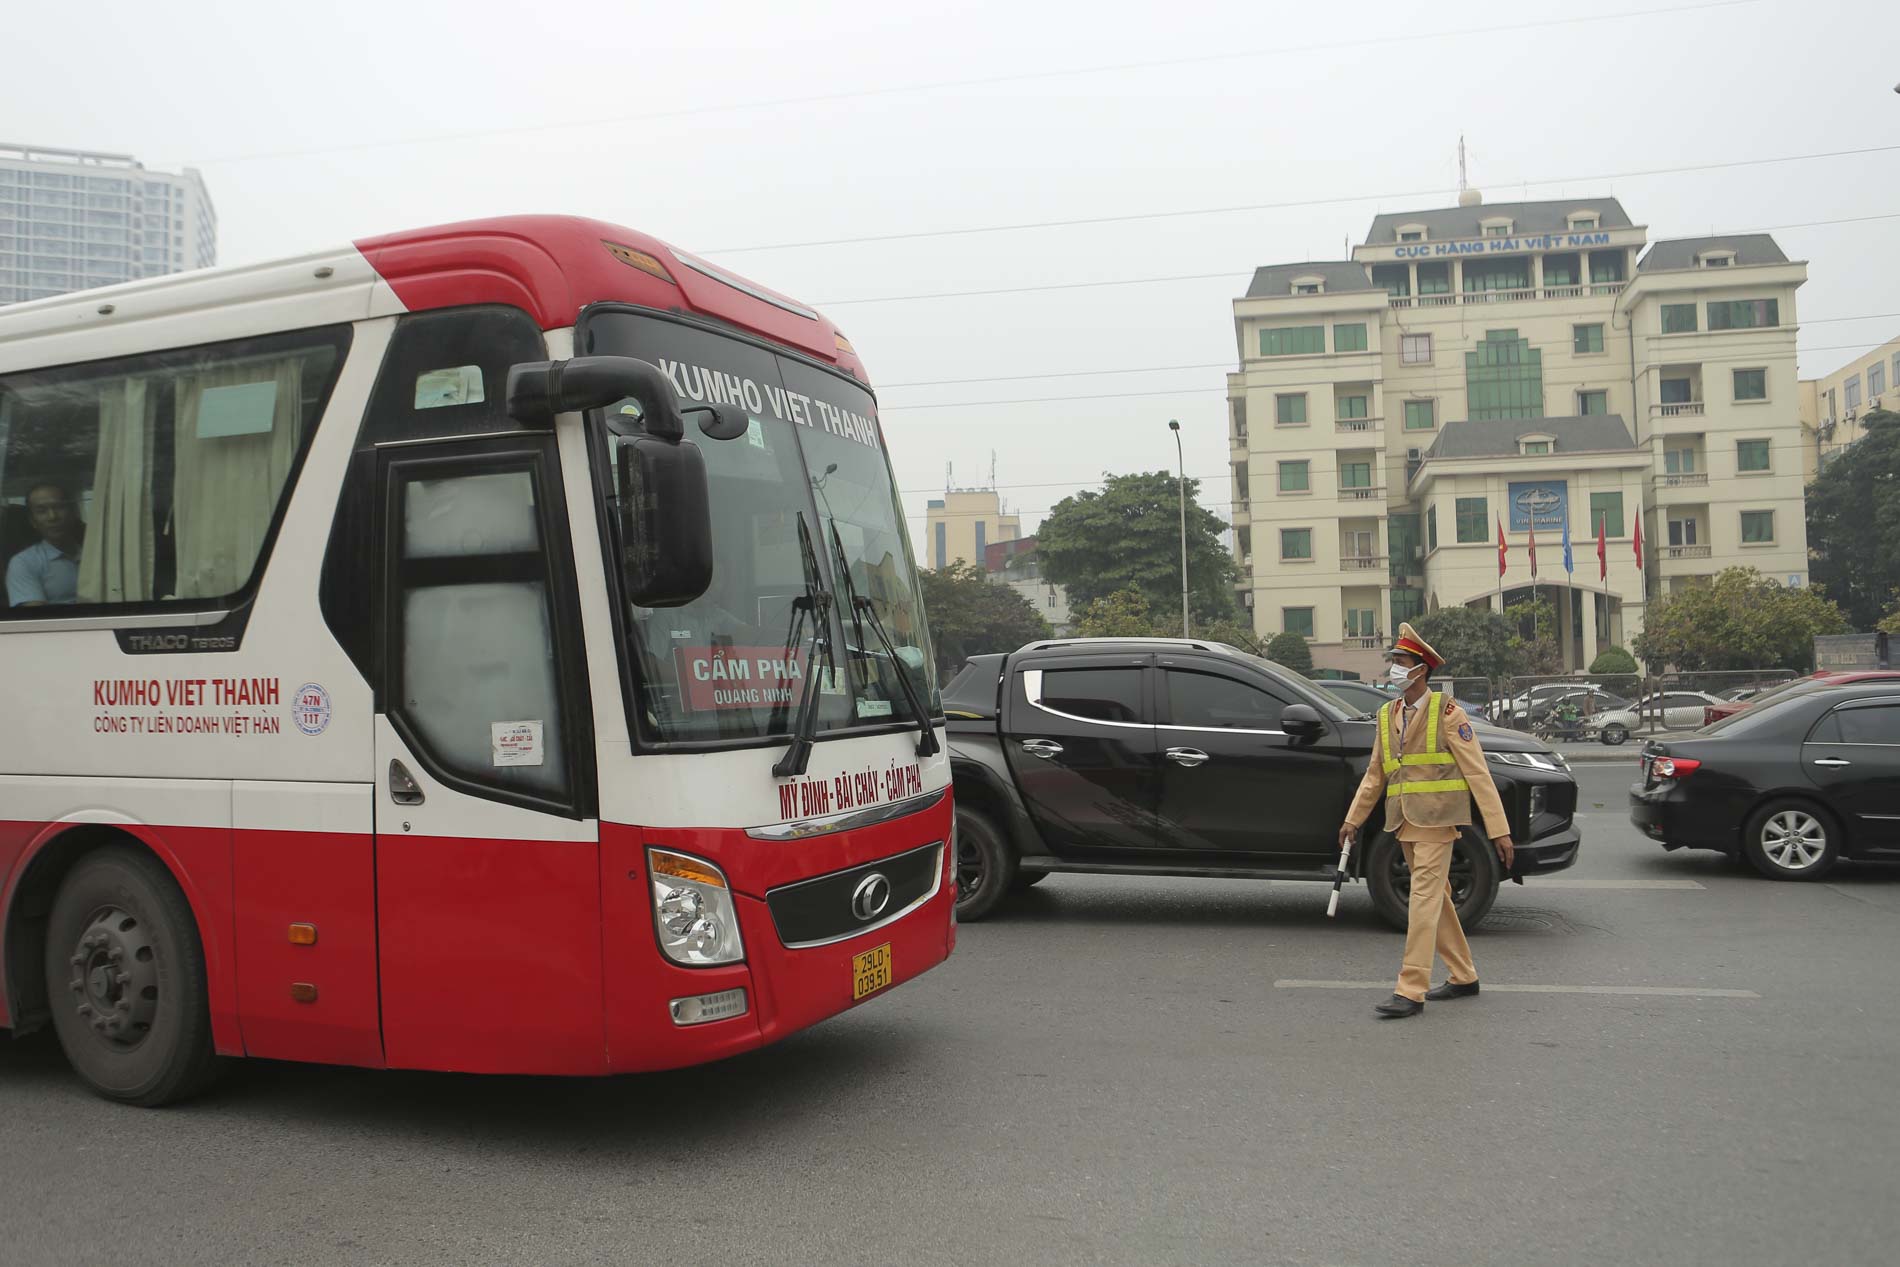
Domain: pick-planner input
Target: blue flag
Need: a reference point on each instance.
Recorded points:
(1569, 563)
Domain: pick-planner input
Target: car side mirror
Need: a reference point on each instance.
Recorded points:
(1302, 722)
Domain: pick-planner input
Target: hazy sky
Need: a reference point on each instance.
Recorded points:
(319, 124)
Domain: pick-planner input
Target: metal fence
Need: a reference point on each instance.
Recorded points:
(1615, 708)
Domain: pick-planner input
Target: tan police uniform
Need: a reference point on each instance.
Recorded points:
(1428, 768)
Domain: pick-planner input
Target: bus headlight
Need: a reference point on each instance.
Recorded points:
(693, 912)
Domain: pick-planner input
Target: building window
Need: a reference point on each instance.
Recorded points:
(1677, 391)
(1306, 288)
(1473, 520)
(1349, 406)
(1434, 279)
(1412, 235)
(1586, 338)
(1716, 259)
(1589, 404)
(1240, 420)
(943, 549)
(1583, 221)
(1560, 270)
(1850, 392)
(1416, 349)
(1758, 527)
(982, 540)
(1431, 527)
(1751, 384)
(1606, 266)
(1606, 512)
(1293, 341)
(1876, 380)
(1407, 604)
(1679, 461)
(1297, 620)
(1504, 377)
(1744, 314)
(1350, 338)
(1751, 455)
(1419, 415)
(1293, 477)
(1534, 448)
(1355, 475)
(1682, 532)
(1505, 274)
(1296, 543)
(1359, 622)
(1497, 229)
(1290, 411)
(1896, 369)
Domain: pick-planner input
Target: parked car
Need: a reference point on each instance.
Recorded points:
(1589, 701)
(1185, 757)
(1520, 710)
(1680, 710)
(1728, 708)
(1363, 699)
(1793, 785)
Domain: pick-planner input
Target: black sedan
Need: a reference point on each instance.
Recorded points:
(1793, 785)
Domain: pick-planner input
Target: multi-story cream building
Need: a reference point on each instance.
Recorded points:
(1832, 406)
(960, 524)
(1523, 366)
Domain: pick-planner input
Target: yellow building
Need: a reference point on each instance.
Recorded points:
(1522, 365)
(958, 525)
(1832, 406)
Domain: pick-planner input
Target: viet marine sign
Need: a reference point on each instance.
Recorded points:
(1538, 504)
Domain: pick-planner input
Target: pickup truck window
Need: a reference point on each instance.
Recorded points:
(1218, 703)
(1094, 694)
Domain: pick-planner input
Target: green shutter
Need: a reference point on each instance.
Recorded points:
(1293, 341)
(1290, 410)
(1586, 338)
(1431, 527)
(1297, 620)
(1355, 475)
(1349, 338)
(1758, 525)
(1349, 406)
(1418, 415)
(1591, 403)
(1473, 520)
(1606, 509)
(1751, 384)
(1293, 477)
(1678, 318)
(1296, 543)
(1504, 377)
(1751, 455)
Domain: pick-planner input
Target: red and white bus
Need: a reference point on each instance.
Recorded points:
(491, 648)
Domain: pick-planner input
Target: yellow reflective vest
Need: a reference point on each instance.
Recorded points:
(1422, 772)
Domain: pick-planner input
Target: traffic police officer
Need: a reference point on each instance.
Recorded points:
(1428, 768)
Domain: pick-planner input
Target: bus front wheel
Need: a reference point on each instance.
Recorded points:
(125, 980)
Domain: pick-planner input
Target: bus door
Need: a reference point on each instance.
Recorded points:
(487, 870)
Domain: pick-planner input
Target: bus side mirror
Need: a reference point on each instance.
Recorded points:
(538, 390)
(665, 512)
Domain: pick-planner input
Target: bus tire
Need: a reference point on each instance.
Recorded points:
(986, 866)
(1473, 878)
(125, 980)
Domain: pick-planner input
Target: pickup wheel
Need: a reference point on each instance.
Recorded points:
(1473, 879)
(986, 866)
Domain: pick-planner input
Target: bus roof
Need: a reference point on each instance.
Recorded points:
(550, 266)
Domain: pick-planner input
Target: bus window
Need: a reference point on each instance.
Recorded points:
(156, 478)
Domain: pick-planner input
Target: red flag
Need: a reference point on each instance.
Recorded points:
(1636, 542)
(1603, 558)
(1500, 547)
(1533, 526)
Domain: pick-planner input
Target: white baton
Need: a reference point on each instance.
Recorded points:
(1339, 878)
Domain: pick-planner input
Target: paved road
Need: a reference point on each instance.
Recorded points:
(1107, 1073)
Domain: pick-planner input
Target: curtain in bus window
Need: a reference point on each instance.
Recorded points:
(116, 564)
(237, 430)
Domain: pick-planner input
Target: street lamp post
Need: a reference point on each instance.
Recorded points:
(1181, 487)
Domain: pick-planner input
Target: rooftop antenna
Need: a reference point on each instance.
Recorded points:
(948, 480)
(992, 470)
(1467, 196)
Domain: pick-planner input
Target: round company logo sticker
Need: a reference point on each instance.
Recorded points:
(310, 708)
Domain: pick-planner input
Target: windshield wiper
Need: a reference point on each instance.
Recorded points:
(861, 606)
(815, 603)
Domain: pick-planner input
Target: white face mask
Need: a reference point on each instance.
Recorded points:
(1399, 675)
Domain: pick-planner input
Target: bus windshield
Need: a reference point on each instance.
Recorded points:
(803, 506)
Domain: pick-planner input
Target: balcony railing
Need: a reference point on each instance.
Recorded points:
(1686, 552)
(1355, 424)
(1361, 562)
(1499, 296)
(1683, 479)
(1607, 288)
(1399, 301)
(1357, 642)
(1375, 493)
(1679, 409)
(1563, 292)
(1439, 299)
(1446, 299)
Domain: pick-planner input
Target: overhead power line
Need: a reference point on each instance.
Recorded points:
(983, 81)
(1329, 201)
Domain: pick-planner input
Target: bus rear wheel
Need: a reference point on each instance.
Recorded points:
(125, 980)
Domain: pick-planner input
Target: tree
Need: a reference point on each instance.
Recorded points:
(1740, 620)
(1123, 614)
(1128, 536)
(1476, 642)
(1533, 624)
(1612, 660)
(969, 615)
(1291, 650)
(1854, 523)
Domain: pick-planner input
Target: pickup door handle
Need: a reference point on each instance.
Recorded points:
(1189, 757)
(1044, 748)
(1832, 763)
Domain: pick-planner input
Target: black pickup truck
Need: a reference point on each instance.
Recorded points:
(1188, 758)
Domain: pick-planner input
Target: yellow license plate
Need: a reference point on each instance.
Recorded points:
(870, 971)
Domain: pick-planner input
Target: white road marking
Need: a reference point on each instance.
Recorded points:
(1556, 883)
(1658, 991)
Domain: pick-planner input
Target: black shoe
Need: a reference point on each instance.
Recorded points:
(1452, 990)
(1398, 1005)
